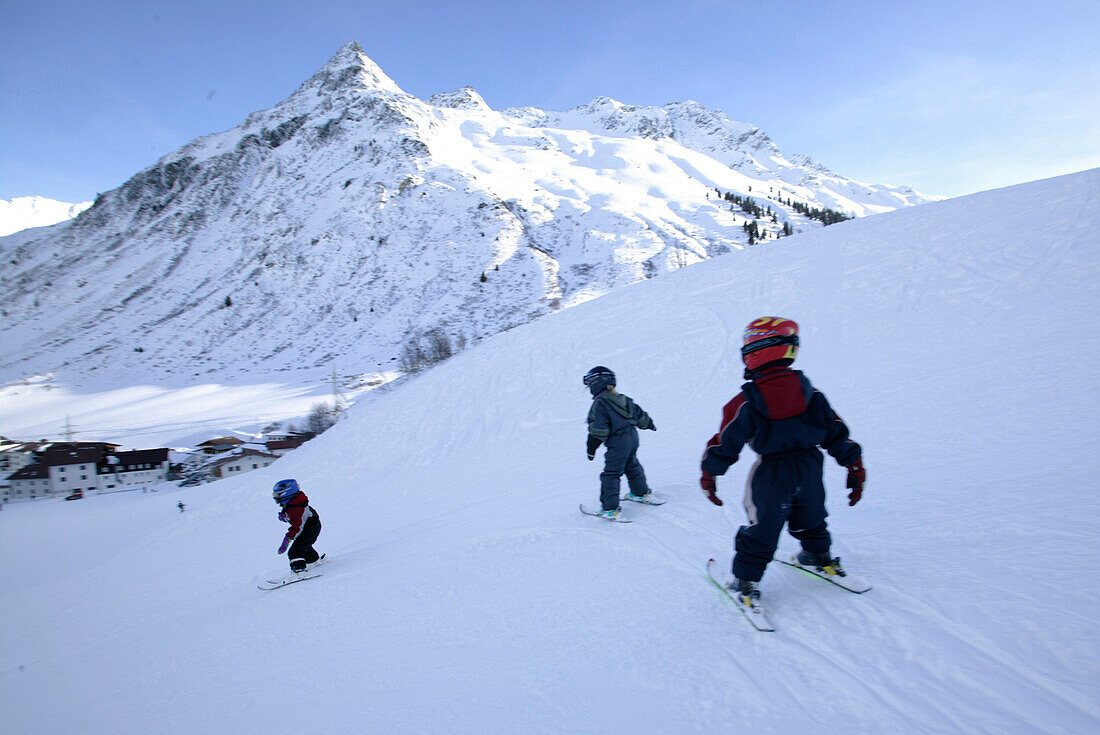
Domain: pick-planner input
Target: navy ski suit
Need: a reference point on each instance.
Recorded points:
(614, 419)
(784, 419)
(305, 527)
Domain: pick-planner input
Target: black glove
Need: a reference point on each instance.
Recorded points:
(652, 426)
(594, 443)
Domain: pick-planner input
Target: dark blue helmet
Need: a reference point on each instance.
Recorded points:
(284, 490)
(599, 379)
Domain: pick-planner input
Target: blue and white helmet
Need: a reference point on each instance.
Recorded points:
(599, 379)
(284, 490)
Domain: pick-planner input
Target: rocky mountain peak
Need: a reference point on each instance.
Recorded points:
(351, 68)
(466, 98)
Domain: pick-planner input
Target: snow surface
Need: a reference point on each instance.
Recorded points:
(466, 594)
(144, 416)
(21, 213)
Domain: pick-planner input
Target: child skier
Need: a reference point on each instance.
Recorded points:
(784, 419)
(614, 420)
(305, 525)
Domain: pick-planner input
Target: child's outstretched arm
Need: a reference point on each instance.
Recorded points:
(724, 448)
(846, 452)
(837, 444)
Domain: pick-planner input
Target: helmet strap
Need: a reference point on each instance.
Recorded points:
(759, 372)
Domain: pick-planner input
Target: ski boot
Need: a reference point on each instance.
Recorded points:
(821, 561)
(747, 591)
(612, 515)
(648, 499)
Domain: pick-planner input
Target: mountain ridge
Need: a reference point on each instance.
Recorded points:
(352, 218)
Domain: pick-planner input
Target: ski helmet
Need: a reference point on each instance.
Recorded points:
(769, 339)
(284, 490)
(599, 379)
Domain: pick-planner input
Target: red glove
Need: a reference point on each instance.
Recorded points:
(284, 544)
(707, 483)
(856, 477)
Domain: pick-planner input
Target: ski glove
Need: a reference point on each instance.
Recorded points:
(284, 517)
(707, 483)
(594, 443)
(856, 477)
(284, 544)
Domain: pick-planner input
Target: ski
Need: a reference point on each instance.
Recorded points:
(646, 499)
(620, 519)
(753, 613)
(274, 584)
(835, 575)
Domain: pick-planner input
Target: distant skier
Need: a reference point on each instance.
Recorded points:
(614, 420)
(305, 525)
(180, 504)
(784, 419)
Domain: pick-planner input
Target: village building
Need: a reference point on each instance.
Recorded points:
(244, 461)
(220, 445)
(77, 468)
(138, 467)
(282, 446)
(31, 481)
(281, 431)
(14, 456)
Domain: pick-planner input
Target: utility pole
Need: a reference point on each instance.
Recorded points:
(68, 429)
(337, 399)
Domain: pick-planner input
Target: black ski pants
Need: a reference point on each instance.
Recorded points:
(782, 490)
(621, 457)
(301, 551)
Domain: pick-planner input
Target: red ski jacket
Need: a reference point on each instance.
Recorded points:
(296, 512)
(779, 412)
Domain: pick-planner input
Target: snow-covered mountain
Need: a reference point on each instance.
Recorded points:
(353, 219)
(21, 213)
(466, 594)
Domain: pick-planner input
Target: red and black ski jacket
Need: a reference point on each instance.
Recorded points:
(778, 413)
(297, 512)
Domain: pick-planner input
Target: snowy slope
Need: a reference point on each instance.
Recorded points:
(467, 595)
(23, 212)
(352, 219)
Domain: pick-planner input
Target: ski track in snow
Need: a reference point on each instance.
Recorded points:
(466, 594)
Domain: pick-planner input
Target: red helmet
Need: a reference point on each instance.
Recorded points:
(768, 339)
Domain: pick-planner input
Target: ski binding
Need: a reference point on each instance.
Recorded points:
(620, 519)
(833, 574)
(649, 499)
(752, 611)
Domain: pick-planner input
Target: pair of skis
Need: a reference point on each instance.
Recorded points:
(755, 613)
(293, 577)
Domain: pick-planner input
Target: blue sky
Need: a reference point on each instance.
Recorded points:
(949, 97)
